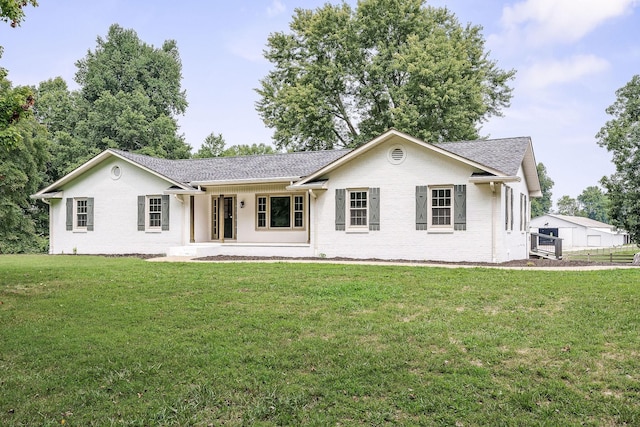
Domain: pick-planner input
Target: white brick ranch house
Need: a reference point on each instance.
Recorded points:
(395, 197)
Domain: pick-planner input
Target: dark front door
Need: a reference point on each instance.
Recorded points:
(229, 217)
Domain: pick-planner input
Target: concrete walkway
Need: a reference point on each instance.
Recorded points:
(404, 264)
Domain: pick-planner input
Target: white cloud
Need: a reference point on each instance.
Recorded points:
(548, 73)
(539, 22)
(276, 8)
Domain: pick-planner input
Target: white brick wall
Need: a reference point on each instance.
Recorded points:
(115, 213)
(398, 237)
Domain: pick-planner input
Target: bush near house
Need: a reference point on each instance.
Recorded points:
(120, 341)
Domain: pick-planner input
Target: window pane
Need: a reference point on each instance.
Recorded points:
(441, 206)
(155, 212)
(280, 212)
(358, 208)
(81, 213)
(262, 212)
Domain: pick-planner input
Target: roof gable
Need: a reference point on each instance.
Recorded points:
(498, 157)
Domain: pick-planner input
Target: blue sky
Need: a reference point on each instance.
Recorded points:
(570, 56)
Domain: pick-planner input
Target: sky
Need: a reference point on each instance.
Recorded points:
(570, 56)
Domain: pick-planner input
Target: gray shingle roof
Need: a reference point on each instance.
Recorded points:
(257, 167)
(504, 155)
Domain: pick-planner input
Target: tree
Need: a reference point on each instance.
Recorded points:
(343, 76)
(131, 94)
(542, 205)
(23, 154)
(568, 206)
(249, 150)
(621, 137)
(213, 146)
(594, 204)
(11, 10)
(59, 110)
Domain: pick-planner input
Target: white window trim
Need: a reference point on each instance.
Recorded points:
(292, 211)
(147, 214)
(362, 227)
(76, 227)
(445, 228)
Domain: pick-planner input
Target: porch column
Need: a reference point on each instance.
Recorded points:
(192, 215)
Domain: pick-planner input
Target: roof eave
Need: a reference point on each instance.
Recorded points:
(285, 179)
(46, 196)
(490, 179)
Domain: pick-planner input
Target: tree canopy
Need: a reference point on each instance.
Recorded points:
(11, 10)
(214, 146)
(23, 155)
(131, 93)
(342, 76)
(541, 206)
(621, 137)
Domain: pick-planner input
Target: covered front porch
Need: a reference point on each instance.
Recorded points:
(266, 219)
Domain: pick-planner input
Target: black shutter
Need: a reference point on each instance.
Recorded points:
(69, 214)
(141, 210)
(374, 209)
(165, 212)
(422, 196)
(340, 214)
(89, 213)
(460, 207)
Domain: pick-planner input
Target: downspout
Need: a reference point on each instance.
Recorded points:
(50, 225)
(492, 185)
(314, 196)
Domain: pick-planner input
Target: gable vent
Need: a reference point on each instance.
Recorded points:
(397, 154)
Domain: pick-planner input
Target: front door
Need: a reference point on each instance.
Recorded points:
(223, 213)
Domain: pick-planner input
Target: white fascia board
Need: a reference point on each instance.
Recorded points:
(490, 179)
(52, 195)
(188, 192)
(288, 179)
(310, 186)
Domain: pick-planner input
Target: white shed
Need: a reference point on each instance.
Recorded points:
(579, 232)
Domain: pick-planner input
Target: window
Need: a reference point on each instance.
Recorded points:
(153, 213)
(262, 212)
(440, 207)
(280, 212)
(358, 208)
(79, 214)
(523, 212)
(298, 211)
(508, 208)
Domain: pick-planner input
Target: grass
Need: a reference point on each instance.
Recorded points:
(106, 341)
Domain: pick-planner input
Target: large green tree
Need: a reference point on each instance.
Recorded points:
(542, 205)
(23, 155)
(131, 94)
(594, 204)
(567, 205)
(621, 137)
(342, 76)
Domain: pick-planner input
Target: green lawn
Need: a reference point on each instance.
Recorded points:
(120, 341)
